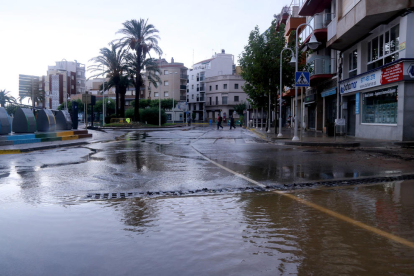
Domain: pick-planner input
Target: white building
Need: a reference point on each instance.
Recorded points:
(220, 64)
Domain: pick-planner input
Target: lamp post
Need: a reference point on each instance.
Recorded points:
(269, 115)
(103, 95)
(312, 44)
(65, 101)
(173, 97)
(292, 62)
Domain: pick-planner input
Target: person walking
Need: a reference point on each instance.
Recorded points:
(232, 122)
(219, 121)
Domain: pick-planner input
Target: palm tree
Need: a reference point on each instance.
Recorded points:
(141, 37)
(150, 65)
(123, 83)
(113, 60)
(39, 97)
(5, 97)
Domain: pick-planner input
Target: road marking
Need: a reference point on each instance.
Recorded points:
(319, 208)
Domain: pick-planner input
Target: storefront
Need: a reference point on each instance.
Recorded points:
(329, 106)
(310, 111)
(380, 104)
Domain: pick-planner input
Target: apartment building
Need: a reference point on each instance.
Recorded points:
(64, 79)
(376, 60)
(223, 92)
(220, 64)
(173, 86)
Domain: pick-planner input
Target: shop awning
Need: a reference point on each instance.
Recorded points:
(329, 92)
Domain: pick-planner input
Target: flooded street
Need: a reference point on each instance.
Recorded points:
(49, 225)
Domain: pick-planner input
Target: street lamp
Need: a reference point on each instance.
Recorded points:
(312, 44)
(292, 63)
(103, 95)
(173, 97)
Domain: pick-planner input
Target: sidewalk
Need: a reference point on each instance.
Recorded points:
(319, 139)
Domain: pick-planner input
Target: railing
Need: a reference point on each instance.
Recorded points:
(318, 21)
(183, 76)
(201, 78)
(183, 98)
(222, 103)
(321, 66)
(200, 99)
(202, 88)
(332, 29)
(183, 87)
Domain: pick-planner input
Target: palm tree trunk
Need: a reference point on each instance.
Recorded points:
(138, 84)
(122, 102)
(117, 100)
(276, 124)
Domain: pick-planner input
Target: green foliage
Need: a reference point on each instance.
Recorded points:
(129, 113)
(240, 108)
(260, 63)
(5, 97)
(151, 116)
(165, 103)
(11, 109)
(80, 105)
(110, 107)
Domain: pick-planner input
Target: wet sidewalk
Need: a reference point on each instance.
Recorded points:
(319, 139)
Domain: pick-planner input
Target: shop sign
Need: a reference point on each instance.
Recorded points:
(402, 46)
(386, 75)
(357, 103)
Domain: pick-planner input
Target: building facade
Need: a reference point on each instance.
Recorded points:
(63, 80)
(173, 86)
(219, 65)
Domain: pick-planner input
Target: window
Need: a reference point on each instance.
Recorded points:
(166, 94)
(155, 94)
(165, 72)
(165, 83)
(236, 98)
(192, 96)
(217, 101)
(73, 87)
(380, 107)
(384, 48)
(73, 77)
(236, 86)
(210, 87)
(209, 99)
(353, 59)
(192, 86)
(225, 86)
(224, 100)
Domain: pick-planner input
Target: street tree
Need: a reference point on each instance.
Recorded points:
(113, 60)
(141, 37)
(5, 97)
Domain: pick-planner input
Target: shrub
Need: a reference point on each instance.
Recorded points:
(150, 115)
(129, 113)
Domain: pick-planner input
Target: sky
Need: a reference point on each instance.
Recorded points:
(36, 34)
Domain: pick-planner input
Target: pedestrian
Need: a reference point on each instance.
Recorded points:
(219, 121)
(232, 122)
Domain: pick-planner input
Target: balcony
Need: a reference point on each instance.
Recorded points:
(202, 88)
(306, 8)
(200, 99)
(321, 69)
(201, 78)
(183, 98)
(183, 87)
(184, 76)
(319, 22)
(215, 103)
(332, 29)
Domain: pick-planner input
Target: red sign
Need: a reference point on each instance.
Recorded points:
(392, 74)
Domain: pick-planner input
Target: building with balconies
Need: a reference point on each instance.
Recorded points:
(376, 66)
(219, 64)
(223, 93)
(64, 79)
(173, 86)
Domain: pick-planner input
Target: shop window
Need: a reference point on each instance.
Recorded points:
(380, 107)
(353, 61)
(384, 48)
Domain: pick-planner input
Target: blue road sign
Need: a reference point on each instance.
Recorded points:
(302, 79)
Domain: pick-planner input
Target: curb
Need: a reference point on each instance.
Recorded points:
(320, 144)
(17, 151)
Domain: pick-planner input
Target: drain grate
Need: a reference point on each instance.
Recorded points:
(280, 187)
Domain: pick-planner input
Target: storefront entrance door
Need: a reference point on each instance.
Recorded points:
(311, 116)
(351, 118)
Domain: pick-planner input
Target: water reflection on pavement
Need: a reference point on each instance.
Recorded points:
(247, 234)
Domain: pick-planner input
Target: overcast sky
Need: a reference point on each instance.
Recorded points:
(35, 34)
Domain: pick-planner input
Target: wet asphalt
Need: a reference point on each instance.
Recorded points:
(52, 221)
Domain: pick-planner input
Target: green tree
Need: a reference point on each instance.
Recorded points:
(5, 97)
(141, 37)
(240, 108)
(80, 105)
(110, 107)
(39, 97)
(114, 62)
(260, 64)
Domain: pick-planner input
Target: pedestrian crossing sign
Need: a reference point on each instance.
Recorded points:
(302, 79)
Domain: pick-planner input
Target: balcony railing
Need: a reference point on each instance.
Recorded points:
(200, 99)
(317, 22)
(183, 87)
(183, 76)
(332, 29)
(201, 78)
(183, 98)
(222, 103)
(201, 88)
(321, 66)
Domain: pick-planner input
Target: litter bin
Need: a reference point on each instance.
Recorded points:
(211, 122)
